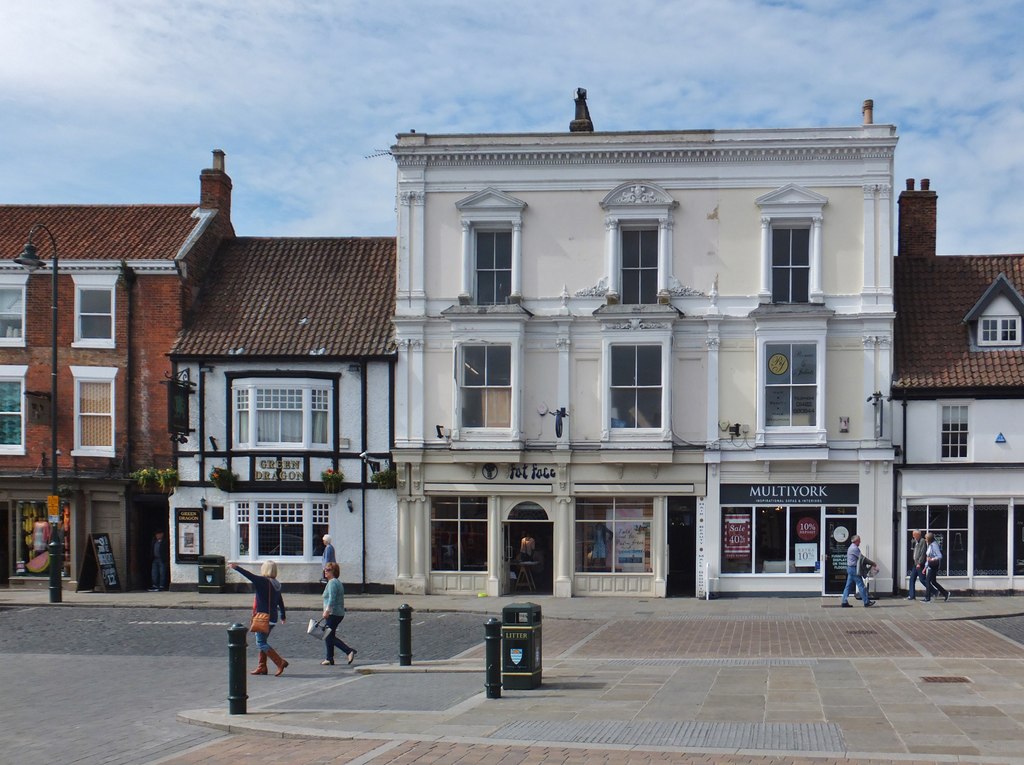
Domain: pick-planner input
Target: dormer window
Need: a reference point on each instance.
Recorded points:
(994, 321)
(999, 330)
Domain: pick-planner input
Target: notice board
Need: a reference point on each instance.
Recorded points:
(98, 566)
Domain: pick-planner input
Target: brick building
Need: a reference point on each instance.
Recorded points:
(127, 276)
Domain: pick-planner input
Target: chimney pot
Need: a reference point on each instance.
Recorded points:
(582, 123)
(869, 111)
(910, 184)
(926, 184)
(218, 159)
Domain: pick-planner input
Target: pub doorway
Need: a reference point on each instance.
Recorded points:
(682, 547)
(528, 550)
(150, 515)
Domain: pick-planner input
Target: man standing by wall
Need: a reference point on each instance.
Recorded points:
(158, 571)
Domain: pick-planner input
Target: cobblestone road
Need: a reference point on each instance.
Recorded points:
(82, 686)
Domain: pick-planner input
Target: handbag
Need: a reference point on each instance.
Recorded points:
(318, 629)
(260, 623)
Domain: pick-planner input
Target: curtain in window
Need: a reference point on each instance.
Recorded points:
(95, 420)
(10, 413)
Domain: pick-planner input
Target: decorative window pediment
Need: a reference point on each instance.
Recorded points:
(635, 194)
(791, 218)
(792, 200)
(492, 204)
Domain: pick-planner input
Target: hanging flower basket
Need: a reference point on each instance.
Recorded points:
(333, 479)
(223, 478)
(386, 478)
(146, 478)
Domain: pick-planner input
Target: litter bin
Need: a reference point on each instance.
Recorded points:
(521, 654)
(211, 573)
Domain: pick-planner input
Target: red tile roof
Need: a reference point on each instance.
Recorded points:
(296, 297)
(932, 346)
(98, 232)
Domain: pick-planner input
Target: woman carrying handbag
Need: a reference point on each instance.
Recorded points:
(334, 612)
(268, 600)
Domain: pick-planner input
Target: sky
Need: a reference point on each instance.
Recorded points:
(122, 101)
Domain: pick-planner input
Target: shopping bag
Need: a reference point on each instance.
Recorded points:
(318, 629)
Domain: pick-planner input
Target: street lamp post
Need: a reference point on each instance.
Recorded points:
(31, 261)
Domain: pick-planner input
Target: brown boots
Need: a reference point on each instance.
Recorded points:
(276, 658)
(261, 667)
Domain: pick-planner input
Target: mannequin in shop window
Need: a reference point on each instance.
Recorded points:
(527, 546)
(600, 544)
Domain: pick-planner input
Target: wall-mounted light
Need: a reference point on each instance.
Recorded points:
(442, 431)
(734, 430)
(349, 505)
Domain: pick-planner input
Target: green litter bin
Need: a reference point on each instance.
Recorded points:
(211, 573)
(521, 646)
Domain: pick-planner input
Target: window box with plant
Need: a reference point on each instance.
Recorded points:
(386, 478)
(333, 479)
(155, 479)
(223, 478)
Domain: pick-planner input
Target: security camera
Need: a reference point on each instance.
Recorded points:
(364, 455)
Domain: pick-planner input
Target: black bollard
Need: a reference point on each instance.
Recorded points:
(405, 635)
(492, 658)
(236, 669)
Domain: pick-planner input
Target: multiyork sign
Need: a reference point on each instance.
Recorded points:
(790, 494)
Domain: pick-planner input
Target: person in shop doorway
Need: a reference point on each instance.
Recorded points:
(853, 575)
(919, 554)
(329, 556)
(932, 563)
(527, 546)
(158, 570)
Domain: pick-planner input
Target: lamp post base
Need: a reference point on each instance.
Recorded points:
(56, 563)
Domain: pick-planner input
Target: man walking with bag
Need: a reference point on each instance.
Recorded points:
(919, 554)
(853, 575)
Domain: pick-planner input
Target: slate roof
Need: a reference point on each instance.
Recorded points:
(932, 346)
(295, 297)
(98, 232)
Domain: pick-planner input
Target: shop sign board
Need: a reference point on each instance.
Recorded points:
(279, 469)
(790, 493)
(98, 566)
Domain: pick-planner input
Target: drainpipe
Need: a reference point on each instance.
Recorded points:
(128, 275)
(897, 476)
(362, 470)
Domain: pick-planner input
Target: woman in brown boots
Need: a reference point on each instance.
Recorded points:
(269, 601)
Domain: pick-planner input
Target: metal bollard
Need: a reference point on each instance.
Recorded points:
(405, 635)
(492, 658)
(236, 669)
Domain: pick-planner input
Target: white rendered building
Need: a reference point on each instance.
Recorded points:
(659, 358)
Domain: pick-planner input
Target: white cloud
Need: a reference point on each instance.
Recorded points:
(121, 100)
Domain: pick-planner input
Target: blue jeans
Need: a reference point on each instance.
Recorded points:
(917, 575)
(329, 644)
(158, 573)
(853, 578)
(261, 640)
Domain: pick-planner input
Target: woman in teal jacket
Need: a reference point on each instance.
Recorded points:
(334, 612)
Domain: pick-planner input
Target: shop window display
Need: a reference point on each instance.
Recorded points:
(771, 540)
(949, 525)
(614, 535)
(35, 532)
(458, 534)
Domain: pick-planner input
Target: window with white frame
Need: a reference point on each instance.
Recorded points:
(954, 432)
(491, 247)
(458, 534)
(282, 413)
(640, 266)
(94, 310)
(12, 310)
(94, 411)
(280, 528)
(791, 265)
(613, 535)
(638, 223)
(791, 385)
(485, 386)
(636, 386)
(791, 245)
(999, 330)
(12, 409)
(493, 267)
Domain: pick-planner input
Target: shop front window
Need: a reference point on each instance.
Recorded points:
(990, 546)
(458, 534)
(949, 525)
(34, 532)
(614, 535)
(771, 540)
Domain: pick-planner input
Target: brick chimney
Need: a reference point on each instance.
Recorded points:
(918, 211)
(215, 187)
